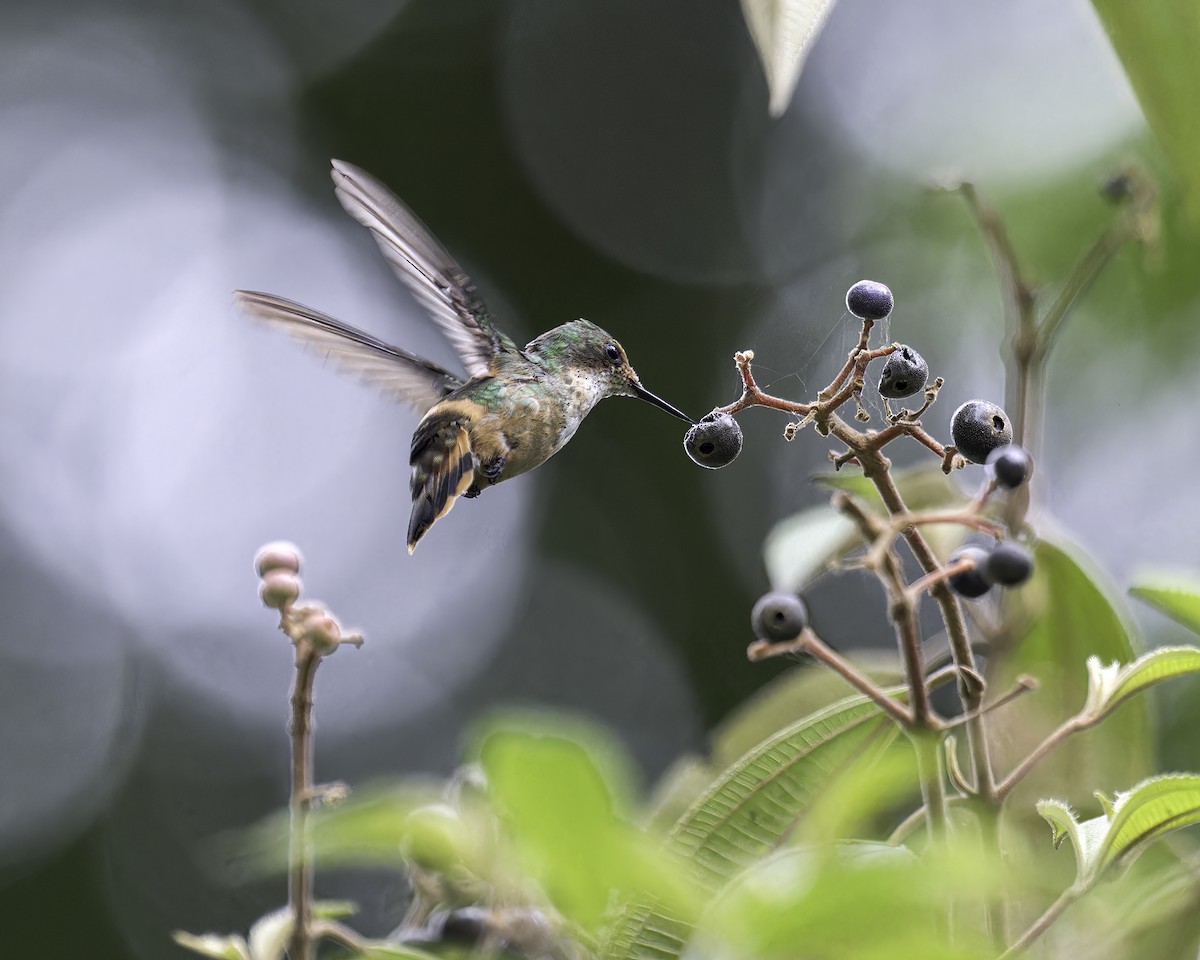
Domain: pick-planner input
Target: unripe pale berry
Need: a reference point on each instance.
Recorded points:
(277, 555)
(778, 616)
(1011, 465)
(1009, 564)
(714, 441)
(971, 583)
(904, 374)
(279, 588)
(869, 300)
(979, 427)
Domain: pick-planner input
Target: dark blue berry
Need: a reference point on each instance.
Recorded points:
(971, 583)
(904, 374)
(1009, 564)
(979, 427)
(869, 300)
(778, 616)
(714, 441)
(1011, 465)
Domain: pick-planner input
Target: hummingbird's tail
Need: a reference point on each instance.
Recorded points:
(443, 469)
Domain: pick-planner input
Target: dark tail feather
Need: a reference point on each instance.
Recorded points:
(443, 469)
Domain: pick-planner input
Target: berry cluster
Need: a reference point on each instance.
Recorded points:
(980, 432)
(309, 624)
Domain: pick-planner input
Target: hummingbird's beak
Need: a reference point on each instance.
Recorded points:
(642, 393)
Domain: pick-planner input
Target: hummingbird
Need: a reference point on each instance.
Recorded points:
(515, 408)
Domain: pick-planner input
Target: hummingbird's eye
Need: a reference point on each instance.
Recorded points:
(613, 352)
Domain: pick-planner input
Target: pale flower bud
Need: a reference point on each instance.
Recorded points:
(279, 588)
(277, 555)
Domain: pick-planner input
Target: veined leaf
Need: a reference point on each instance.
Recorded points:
(1149, 811)
(801, 691)
(758, 800)
(1178, 596)
(750, 810)
(1111, 685)
(783, 32)
(1137, 818)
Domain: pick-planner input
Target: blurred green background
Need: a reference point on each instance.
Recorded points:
(610, 160)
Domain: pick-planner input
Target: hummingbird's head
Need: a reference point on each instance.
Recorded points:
(594, 362)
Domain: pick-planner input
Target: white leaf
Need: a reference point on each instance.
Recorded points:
(783, 32)
(213, 945)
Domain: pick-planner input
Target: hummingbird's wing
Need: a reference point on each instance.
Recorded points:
(403, 374)
(425, 266)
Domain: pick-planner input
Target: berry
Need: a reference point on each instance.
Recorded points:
(714, 441)
(904, 374)
(971, 583)
(1010, 465)
(869, 300)
(1009, 564)
(778, 616)
(978, 428)
(277, 555)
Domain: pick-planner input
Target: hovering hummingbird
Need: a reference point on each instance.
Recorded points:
(516, 408)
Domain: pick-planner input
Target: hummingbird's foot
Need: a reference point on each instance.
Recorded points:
(488, 473)
(493, 468)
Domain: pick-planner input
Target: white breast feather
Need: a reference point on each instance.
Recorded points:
(586, 392)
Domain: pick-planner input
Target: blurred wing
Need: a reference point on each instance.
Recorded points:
(433, 276)
(408, 377)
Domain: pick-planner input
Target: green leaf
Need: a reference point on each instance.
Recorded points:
(803, 546)
(846, 900)
(1086, 836)
(1064, 615)
(1156, 41)
(1176, 595)
(783, 32)
(758, 799)
(380, 825)
(797, 693)
(1111, 685)
(561, 811)
(1138, 817)
(380, 950)
(750, 809)
(1148, 812)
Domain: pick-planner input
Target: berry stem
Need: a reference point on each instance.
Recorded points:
(1068, 727)
(1043, 923)
(902, 612)
(300, 868)
(809, 642)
